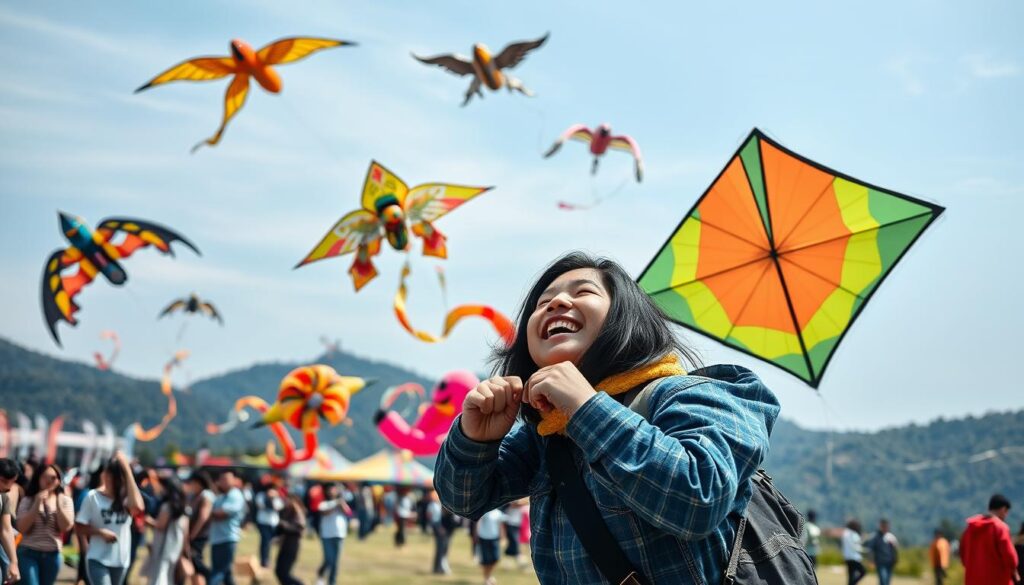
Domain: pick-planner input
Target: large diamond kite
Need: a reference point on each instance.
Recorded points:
(781, 254)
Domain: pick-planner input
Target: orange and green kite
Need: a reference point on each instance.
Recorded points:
(781, 254)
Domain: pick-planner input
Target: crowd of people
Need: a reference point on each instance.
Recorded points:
(191, 524)
(989, 553)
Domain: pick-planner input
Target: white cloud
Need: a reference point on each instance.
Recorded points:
(983, 66)
(904, 70)
(75, 34)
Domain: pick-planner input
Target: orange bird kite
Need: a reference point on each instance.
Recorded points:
(244, 63)
(487, 69)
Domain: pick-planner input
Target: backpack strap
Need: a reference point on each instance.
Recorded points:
(639, 401)
(584, 516)
(734, 556)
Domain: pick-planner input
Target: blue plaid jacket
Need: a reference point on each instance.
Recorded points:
(671, 491)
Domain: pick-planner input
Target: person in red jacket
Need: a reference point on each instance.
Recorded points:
(986, 548)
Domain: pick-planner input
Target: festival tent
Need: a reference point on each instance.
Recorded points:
(385, 467)
(326, 460)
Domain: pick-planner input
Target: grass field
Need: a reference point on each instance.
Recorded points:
(375, 561)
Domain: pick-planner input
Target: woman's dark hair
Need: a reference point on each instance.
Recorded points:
(117, 487)
(854, 525)
(330, 490)
(9, 469)
(174, 496)
(37, 478)
(636, 332)
(202, 478)
(96, 478)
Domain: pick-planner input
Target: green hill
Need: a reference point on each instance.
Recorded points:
(32, 383)
(918, 476)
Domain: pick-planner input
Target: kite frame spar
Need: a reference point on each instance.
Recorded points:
(934, 210)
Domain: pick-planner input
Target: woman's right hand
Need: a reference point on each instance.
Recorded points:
(107, 535)
(490, 409)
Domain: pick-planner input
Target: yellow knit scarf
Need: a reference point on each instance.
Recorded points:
(554, 421)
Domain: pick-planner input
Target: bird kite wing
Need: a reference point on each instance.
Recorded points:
(292, 49)
(357, 228)
(575, 132)
(456, 64)
(234, 99)
(211, 311)
(199, 69)
(58, 292)
(174, 306)
(429, 202)
(138, 234)
(514, 54)
(627, 144)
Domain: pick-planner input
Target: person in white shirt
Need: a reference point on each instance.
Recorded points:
(403, 514)
(268, 507)
(334, 514)
(488, 533)
(105, 519)
(852, 553)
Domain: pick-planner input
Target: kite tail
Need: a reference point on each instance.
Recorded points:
(51, 439)
(239, 415)
(501, 324)
(166, 388)
(5, 434)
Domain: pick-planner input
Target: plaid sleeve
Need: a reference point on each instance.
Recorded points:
(473, 478)
(680, 472)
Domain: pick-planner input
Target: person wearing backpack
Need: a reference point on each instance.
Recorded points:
(664, 489)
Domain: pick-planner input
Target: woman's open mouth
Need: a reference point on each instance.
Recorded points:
(560, 326)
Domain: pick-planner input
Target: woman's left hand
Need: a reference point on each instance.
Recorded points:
(560, 386)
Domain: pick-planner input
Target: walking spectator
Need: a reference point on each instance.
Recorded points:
(9, 572)
(151, 491)
(333, 530)
(95, 482)
(169, 535)
(513, 521)
(403, 514)
(268, 505)
(884, 550)
(812, 537)
(314, 496)
(851, 548)
(1018, 545)
(225, 528)
(488, 531)
(938, 556)
(442, 535)
(986, 548)
(524, 530)
(291, 524)
(105, 520)
(200, 501)
(44, 515)
(366, 511)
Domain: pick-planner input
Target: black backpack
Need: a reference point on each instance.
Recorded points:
(769, 537)
(768, 549)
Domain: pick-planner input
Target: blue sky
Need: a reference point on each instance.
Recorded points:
(922, 97)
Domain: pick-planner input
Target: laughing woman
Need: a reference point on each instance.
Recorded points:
(667, 491)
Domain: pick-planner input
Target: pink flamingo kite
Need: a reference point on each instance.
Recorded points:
(600, 140)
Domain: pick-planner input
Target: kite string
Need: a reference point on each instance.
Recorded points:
(542, 117)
